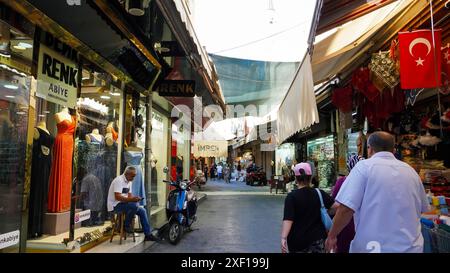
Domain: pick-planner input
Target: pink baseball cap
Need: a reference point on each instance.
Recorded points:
(305, 166)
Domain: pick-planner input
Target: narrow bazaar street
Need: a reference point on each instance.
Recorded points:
(234, 218)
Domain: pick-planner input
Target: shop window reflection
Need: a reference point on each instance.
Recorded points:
(96, 143)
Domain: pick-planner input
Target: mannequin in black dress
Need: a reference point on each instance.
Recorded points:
(40, 172)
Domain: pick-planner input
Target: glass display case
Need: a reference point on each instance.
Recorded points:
(352, 143)
(321, 152)
(284, 157)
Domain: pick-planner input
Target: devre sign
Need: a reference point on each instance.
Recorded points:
(210, 148)
(56, 78)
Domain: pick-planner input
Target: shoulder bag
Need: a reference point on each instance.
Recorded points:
(326, 219)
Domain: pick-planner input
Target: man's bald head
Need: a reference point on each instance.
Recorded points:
(381, 142)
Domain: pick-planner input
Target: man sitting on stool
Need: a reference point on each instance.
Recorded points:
(121, 200)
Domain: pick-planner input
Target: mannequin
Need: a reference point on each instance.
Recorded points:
(133, 156)
(63, 115)
(40, 172)
(94, 137)
(60, 183)
(133, 147)
(41, 125)
(154, 181)
(111, 135)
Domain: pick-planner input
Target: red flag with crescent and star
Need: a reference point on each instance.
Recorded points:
(420, 61)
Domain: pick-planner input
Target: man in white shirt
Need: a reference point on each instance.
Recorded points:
(219, 171)
(386, 198)
(120, 199)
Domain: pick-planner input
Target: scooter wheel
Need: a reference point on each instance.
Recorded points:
(175, 230)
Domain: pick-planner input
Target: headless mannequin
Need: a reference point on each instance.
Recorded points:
(109, 139)
(153, 161)
(63, 115)
(95, 134)
(41, 125)
(133, 147)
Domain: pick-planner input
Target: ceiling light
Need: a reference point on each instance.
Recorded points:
(46, 112)
(105, 97)
(19, 47)
(42, 116)
(20, 113)
(136, 7)
(10, 97)
(25, 45)
(115, 94)
(11, 86)
(4, 54)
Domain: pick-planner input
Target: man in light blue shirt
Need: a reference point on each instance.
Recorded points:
(386, 198)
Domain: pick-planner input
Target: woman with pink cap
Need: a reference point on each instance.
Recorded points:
(303, 230)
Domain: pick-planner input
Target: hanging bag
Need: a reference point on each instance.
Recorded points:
(326, 219)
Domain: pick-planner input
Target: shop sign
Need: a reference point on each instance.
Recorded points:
(57, 78)
(176, 88)
(14, 64)
(210, 148)
(9, 239)
(82, 216)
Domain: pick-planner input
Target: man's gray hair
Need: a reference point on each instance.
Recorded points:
(381, 141)
(129, 169)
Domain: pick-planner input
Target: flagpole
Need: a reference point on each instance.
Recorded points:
(435, 67)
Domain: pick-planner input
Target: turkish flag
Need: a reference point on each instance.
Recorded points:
(420, 62)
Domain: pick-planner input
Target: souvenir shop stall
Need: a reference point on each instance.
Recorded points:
(321, 153)
(405, 91)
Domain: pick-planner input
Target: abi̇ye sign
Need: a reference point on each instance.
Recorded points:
(57, 78)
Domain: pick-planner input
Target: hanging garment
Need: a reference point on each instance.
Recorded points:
(40, 173)
(154, 187)
(360, 78)
(93, 193)
(114, 134)
(95, 140)
(133, 158)
(60, 186)
(342, 98)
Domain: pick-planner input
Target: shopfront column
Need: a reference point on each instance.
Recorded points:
(148, 150)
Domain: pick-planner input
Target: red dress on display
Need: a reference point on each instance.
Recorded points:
(60, 183)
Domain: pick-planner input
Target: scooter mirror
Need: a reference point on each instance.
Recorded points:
(166, 170)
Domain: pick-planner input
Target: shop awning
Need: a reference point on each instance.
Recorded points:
(344, 46)
(335, 13)
(299, 108)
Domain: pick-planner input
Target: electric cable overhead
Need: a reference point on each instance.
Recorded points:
(261, 39)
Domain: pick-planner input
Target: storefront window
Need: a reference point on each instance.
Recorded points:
(82, 144)
(134, 150)
(321, 152)
(97, 143)
(181, 161)
(352, 143)
(284, 158)
(15, 84)
(160, 145)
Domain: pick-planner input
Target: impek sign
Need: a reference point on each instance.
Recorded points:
(210, 148)
(56, 78)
